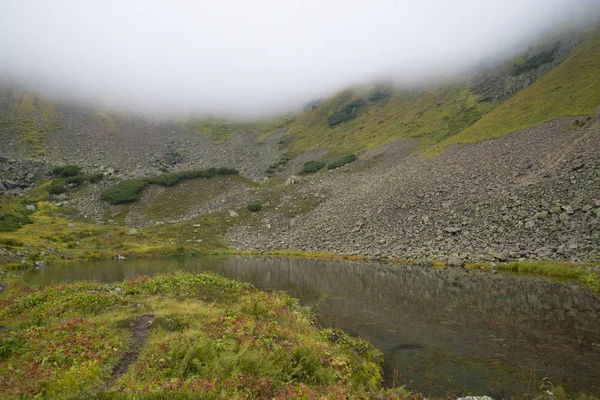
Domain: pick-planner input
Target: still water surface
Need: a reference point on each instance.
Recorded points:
(440, 330)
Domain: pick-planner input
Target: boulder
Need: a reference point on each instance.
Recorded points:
(39, 265)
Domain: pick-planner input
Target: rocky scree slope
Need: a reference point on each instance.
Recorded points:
(534, 194)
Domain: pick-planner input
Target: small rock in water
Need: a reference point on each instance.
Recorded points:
(39, 264)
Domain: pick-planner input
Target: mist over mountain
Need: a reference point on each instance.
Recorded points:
(256, 58)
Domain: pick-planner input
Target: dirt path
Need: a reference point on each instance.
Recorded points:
(140, 332)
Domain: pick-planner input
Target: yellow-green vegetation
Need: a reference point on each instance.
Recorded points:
(104, 118)
(220, 130)
(580, 272)
(15, 214)
(430, 115)
(571, 89)
(209, 337)
(31, 118)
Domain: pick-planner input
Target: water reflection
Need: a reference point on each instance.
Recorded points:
(440, 330)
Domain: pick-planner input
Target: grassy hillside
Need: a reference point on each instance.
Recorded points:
(29, 117)
(429, 115)
(441, 116)
(572, 89)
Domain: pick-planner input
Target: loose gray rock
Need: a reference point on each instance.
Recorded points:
(455, 262)
(30, 207)
(453, 230)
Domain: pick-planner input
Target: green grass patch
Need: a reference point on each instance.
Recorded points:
(31, 118)
(130, 190)
(127, 191)
(342, 161)
(15, 214)
(579, 272)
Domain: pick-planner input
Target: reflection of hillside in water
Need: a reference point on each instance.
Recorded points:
(525, 322)
(442, 329)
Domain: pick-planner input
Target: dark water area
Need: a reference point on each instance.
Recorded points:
(440, 330)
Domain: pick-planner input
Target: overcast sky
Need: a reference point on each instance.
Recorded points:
(256, 56)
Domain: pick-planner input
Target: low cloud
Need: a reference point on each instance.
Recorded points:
(248, 58)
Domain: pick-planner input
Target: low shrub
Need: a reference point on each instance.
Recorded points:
(350, 111)
(380, 93)
(176, 177)
(129, 191)
(312, 166)
(57, 188)
(79, 179)
(66, 170)
(534, 62)
(255, 206)
(342, 161)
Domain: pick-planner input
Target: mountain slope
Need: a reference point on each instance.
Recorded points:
(559, 77)
(572, 89)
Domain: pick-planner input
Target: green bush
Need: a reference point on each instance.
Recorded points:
(534, 62)
(313, 166)
(350, 111)
(174, 178)
(79, 179)
(124, 192)
(57, 188)
(66, 170)
(342, 161)
(129, 191)
(380, 93)
(255, 206)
